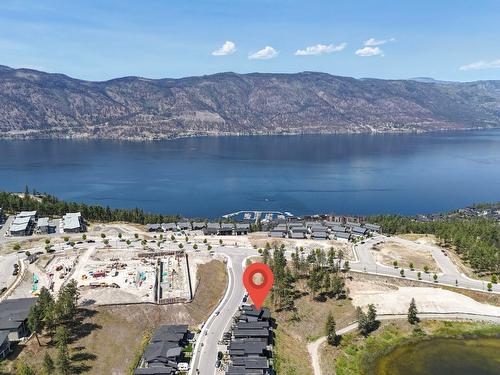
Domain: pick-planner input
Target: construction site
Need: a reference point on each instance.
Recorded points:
(107, 276)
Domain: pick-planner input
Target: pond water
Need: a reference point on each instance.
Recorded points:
(443, 356)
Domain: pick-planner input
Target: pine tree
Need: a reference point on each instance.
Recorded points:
(48, 364)
(63, 360)
(35, 321)
(331, 333)
(362, 321)
(372, 317)
(412, 312)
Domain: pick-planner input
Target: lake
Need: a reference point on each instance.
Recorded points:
(443, 356)
(208, 177)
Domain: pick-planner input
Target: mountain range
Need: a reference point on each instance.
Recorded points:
(35, 104)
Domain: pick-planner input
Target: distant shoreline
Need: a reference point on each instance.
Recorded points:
(33, 136)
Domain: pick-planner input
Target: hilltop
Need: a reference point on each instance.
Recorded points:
(35, 104)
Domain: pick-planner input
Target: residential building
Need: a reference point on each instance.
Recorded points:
(23, 224)
(164, 352)
(242, 228)
(44, 226)
(212, 228)
(73, 223)
(168, 227)
(199, 225)
(14, 317)
(184, 225)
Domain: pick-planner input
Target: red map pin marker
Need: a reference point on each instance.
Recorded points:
(258, 292)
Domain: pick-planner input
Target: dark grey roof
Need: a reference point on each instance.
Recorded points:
(372, 226)
(213, 225)
(297, 235)
(14, 311)
(259, 332)
(342, 235)
(156, 370)
(251, 363)
(359, 229)
(242, 226)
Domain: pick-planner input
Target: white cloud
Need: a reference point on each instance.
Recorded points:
(320, 49)
(227, 48)
(377, 42)
(265, 53)
(369, 51)
(480, 65)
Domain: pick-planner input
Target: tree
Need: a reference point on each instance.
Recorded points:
(103, 235)
(426, 268)
(331, 333)
(411, 266)
(48, 364)
(63, 360)
(265, 255)
(35, 321)
(205, 240)
(412, 312)
(17, 247)
(209, 247)
(419, 275)
(347, 267)
(84, 237)
(106, 242)
(136, 236)
(402, 272)
(195, 247)
(128, 242)
(435, 277)
(494, 279)
(47, 241)
(315, 280)
(181, 246)
(221, 242)
(66, 238)
(490, 287)
(362, 321)
(372, 317)
(62, 336)
(395, 264)
(120, 236)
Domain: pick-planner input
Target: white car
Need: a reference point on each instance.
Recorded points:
(183, 366)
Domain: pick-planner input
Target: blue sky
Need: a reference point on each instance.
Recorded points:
(98, 40)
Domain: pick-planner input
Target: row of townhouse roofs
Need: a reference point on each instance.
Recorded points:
(207, 228)
(25, 223)
(14, 322)
(323, 230)
(165, 353)
(250, 347)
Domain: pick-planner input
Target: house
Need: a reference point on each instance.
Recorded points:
(184, 225)
(73, 223)
(4, 344)
(21, 226)
(320, 235)
(153, 227)
(242, 228)
(164, 352)
(23, 223)
(212, 228)
(342, 236)
(358, 231)
(199, 225)
(226, 229)
(44, 226)
(297, 231)
(168, 227)
(14, 317)
(373, 227)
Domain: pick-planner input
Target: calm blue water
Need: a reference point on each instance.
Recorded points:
(358, 174)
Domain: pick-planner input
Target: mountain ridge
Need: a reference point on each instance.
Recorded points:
(35, 104)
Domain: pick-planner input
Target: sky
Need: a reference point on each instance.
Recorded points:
(98, 40)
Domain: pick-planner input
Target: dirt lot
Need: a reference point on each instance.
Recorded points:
(388, 252)
(392, 299)
(112, 336)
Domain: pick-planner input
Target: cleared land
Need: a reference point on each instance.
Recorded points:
(111, 336)
(388, 252)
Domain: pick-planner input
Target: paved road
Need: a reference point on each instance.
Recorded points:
(449, 275)
(313, 347)
(205, 353)
(7, 267)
